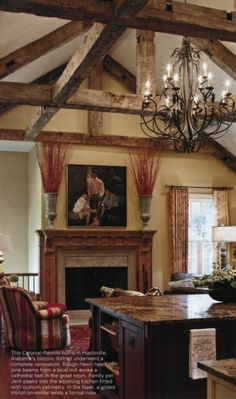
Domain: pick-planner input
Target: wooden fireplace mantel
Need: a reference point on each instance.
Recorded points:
(52, 241)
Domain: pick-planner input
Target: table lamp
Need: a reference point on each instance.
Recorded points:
(5, 245)
(224, 234)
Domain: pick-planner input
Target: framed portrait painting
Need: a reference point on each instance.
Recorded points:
(96, 196)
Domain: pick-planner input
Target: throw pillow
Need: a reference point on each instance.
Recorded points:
(181, 283)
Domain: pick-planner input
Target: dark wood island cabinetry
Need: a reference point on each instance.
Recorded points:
(146, 341)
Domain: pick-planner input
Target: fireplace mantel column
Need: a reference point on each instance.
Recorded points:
(145, 265)
(48, 269)
(52, 241)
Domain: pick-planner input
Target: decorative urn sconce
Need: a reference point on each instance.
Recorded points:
(145, 166)
(145, 202)
(50, 200)
(52, 160)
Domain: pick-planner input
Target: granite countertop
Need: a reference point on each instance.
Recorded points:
(167, 308)
(224, 368)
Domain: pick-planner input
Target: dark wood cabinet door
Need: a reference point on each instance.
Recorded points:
(132, 361)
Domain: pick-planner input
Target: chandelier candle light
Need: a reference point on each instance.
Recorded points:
(187, 111)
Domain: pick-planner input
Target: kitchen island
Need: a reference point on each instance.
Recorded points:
(146, 343)
(221, 378)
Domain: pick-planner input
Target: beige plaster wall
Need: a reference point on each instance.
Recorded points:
(176, 169)
(193, 169)
(14, 208)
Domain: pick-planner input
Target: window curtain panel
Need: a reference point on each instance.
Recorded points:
(178, 202)
(221, 203)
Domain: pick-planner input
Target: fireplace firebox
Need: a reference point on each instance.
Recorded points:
(85, 282)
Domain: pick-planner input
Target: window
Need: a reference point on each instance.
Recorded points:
(201, 219)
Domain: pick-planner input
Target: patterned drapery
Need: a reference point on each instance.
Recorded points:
(221, 202)
(178, 216)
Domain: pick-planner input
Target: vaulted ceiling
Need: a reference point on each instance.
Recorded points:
(48, 48)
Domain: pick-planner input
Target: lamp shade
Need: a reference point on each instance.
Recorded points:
(224, 233)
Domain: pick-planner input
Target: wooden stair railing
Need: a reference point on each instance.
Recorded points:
(29, 281)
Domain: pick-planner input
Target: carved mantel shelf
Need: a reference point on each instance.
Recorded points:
(52, 241)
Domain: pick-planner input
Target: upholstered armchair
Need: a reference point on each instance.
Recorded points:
(32, 325)
(4, 282)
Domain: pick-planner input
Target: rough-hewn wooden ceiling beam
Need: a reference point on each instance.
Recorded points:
(12, 134)
(69, 9)
(85, 99)
(86, 139)
(88, 99)
(212, 147)
(97, 44)
(189, 20)
(160, 16)
(98, 100)
(24, 93)
(48, 78)
(51, 76)
(219, 54)
(146, 61)
(25, 55)
(120, 73)
(39, 120)
(95, 119)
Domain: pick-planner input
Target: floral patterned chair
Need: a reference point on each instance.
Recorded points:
(32, 325)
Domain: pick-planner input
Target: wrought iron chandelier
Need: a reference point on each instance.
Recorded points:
(187, 111)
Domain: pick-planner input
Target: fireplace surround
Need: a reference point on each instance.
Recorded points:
(91, 269)
(60, 249)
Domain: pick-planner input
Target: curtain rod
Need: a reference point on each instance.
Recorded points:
(202, 187)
